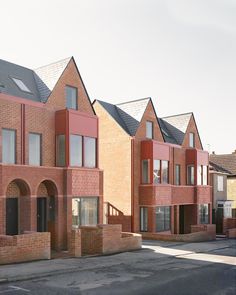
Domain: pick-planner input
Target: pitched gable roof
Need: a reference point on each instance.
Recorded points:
(176, 127)
(47, 76)
(129, 114)
(226, 162)
(40, 82)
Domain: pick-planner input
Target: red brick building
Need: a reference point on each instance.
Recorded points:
(49, 175)
(155, 170)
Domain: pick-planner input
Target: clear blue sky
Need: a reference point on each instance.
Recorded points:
(182, 53)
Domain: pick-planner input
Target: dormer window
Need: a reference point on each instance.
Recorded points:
(71, 98)
(191, 140)
(149, 129)
(21, 85)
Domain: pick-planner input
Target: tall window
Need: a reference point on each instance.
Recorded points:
(143, 218)
(149, 129)
(165, 171)
(156, 171)
(89, 152)
(71, 98)
(8, 146)
(35, 149)
(204, 175)
(203, 213)
(61, 159)
(220, 183)
(177, 174)
(75, 150)
(84, 211)
(199, 175)
(145, 171)
(190, 175)
(162, 218)
(191, 139)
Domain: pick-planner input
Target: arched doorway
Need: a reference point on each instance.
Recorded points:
(46, 208)
(17, 207)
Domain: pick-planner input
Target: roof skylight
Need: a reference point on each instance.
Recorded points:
(21, 85)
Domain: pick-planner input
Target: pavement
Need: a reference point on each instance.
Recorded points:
(158, 268)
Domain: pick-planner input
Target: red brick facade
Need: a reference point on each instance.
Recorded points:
(28, 183)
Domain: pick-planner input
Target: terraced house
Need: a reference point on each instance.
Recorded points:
(155, 170)
(49, 175)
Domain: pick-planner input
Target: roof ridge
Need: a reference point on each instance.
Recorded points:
(52, 63)
(16, 64)
(130, 101)
(188, 113)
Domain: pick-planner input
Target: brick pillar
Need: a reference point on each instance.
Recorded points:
(176, 216)
(172, 219)
(33, 215)
(74, 243)
(210, 213)
(60, 223)
(2, 215)
(152, 219)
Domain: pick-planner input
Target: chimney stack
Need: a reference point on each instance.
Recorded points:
(213, 153)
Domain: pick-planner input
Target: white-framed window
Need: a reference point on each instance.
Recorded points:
(143, 218)
(177, 174)
(220, 183)
(71, 98)
(149, 129)
(190, 175)
(9, 146)
(75, 150)
(145, 171)
(191, 139)
(35, 154)
(61, 150)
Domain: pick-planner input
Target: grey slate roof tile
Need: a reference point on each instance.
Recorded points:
(227, 162)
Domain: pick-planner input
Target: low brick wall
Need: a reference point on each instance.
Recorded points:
(108, 238)
(74, 243)
(25, 247)
(228, 223)
(231, 233)
(199, 233)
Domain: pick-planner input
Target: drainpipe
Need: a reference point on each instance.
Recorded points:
(132, 184)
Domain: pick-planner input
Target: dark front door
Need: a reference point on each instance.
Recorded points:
(219, 220)
(181, 219)
(41, 214)
(11, 216)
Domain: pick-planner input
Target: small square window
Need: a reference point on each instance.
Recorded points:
(71, 98)
(149, 129)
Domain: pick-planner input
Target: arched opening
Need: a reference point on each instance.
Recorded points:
(18, 207)
(46, 208)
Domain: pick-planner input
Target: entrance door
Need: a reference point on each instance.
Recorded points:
(11, 216)
(219, 220)
(41, 214)
(181, 219)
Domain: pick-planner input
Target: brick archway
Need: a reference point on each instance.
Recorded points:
(18, 207)
(47, 209)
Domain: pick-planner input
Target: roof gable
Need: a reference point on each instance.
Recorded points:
(175, 127)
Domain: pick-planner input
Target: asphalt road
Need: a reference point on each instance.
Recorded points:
(160, 268)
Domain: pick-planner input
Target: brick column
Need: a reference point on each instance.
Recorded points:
(176, 216)
(74, 243)
(172, 219)
(33, 215)
(210, 213)
(2, 215)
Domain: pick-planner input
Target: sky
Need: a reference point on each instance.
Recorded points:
(182, 53)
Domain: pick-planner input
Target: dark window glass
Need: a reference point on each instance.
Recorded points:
(61, 150)
(162, 218)
(145, 171)
(191, 139)
(156, 171)
(35, 149)
(149, 129)
(84, 211)
(143, 219)
(89, 152)
(203, 213)
(177, 174)
(190, 175)
(165, 171)
(75, 150)
(71, 98)
(8, 146)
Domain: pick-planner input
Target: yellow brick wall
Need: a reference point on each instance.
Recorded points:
(231, 190)
(115, 160)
